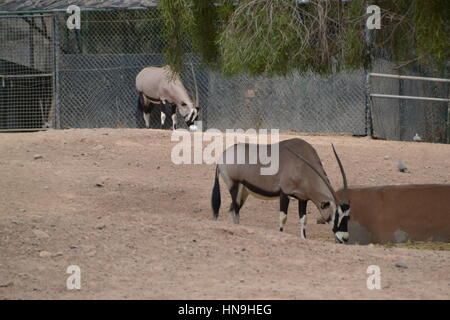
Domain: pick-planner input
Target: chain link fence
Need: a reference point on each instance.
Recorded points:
(26, 72)
(86, 79)
(99, 63)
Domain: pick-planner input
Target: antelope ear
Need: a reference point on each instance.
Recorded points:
(325, 205)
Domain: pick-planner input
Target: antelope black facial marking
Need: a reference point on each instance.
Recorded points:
(336, 221)
(325, 205)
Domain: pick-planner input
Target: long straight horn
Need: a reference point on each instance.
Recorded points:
(344, 177)
(318, 173)
(195, 85)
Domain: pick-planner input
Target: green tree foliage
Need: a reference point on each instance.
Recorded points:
(281, 36)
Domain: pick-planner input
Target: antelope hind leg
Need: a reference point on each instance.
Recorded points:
(284, 204)
(238, 196)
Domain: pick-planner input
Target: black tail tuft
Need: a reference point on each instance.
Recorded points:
(215, 197)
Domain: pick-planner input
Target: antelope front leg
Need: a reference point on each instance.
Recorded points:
(302, 215)
(174, 121)
(147, 119)
(284, 204)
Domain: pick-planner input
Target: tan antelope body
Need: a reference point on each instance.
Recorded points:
(160, 86)
(300, 176)
(399, 213)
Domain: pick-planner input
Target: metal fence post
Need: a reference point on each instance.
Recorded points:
(57, 120)
(369, 38)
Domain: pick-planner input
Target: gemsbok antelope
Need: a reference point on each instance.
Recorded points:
(300, 176)
(160, 86)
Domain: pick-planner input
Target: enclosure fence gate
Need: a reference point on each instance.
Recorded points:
(27, 73)
(443, 119)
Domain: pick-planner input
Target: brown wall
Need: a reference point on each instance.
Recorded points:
(399, 213)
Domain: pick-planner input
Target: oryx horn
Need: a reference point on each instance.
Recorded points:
(195, 85)
(344, 177)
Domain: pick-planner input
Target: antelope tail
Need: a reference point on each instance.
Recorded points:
(215, 197)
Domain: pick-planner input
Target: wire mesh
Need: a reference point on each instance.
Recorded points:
(86, 79)
(403, 119)
(26, 72)
(98, 65)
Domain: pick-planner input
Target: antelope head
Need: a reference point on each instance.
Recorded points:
(340, 208)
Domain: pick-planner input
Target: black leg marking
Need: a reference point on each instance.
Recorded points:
(302, 215)
(234, 204)
(284, 204)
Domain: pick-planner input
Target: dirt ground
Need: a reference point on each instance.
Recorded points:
(139, 227)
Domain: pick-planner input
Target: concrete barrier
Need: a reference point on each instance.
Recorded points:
(393, 214)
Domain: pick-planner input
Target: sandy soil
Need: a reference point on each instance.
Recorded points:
(138, 226)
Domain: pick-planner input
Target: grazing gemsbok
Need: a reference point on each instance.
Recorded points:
(300, 176)
(160, 86)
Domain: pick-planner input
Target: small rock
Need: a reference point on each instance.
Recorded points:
(401, 264)
(87, 247)
(40, 234)
(99, 147)
(401, 167)
(58, 254)
(38, 156)
(386, 157)
(100, 226)
(99, 185)
(45, 254)
(371, 245)
(22, 210)
(91, 253)
(23, 276)
(36, 218)
(197, 210)
(157, 168)
(72, 246)
(6, 284)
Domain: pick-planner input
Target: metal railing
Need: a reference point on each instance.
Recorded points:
(436, 114)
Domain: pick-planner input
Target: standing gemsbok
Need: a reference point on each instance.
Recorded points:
(160, 86)
(300, 176)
